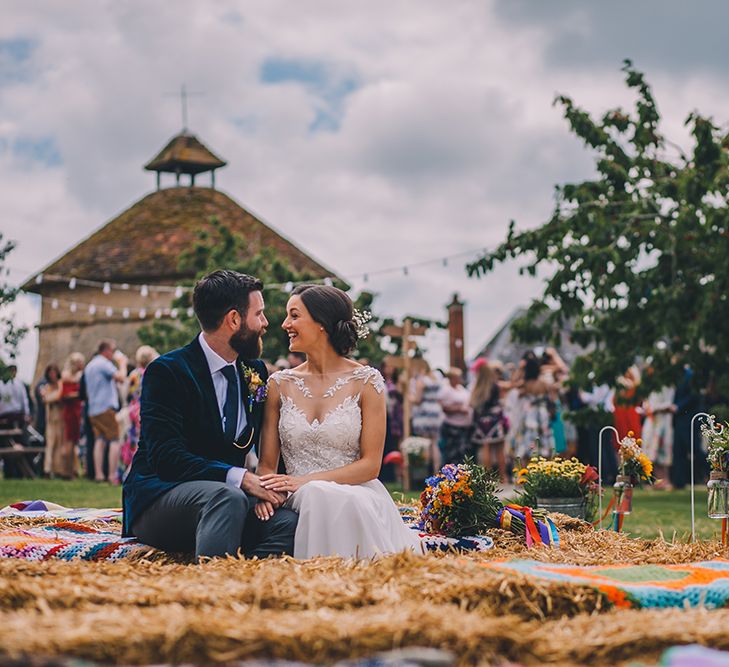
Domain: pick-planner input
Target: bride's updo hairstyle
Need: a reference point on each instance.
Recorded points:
(333, 309)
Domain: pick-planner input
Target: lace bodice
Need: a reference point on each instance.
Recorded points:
(320, 420)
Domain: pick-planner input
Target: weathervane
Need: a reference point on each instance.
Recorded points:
(183, 94)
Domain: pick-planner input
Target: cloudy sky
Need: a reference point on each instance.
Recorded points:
(374, 134)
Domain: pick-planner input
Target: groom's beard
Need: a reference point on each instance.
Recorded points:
(248, 344)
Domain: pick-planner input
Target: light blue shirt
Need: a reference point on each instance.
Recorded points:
(100, 385)
(216, 363)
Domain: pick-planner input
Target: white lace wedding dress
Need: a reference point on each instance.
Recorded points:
(319, 429)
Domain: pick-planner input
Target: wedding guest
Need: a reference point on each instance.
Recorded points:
(51, 397)
(101, 376)
(533, 435)
(40, 409)
(626, 413)
(14, 414)
(427, 414)
(455, 400)
(144, 356)
(394, 424)
(598, 400)
(658, 433)
(686, 402)
(65, 459)
(488, 417)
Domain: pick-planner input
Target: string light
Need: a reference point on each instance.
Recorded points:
(54, 304)
(107, 288)
(92, 309)
(109, 311)
(125, 313)
(144, 291)
(72, 283)
(142, 313)
(178, 291)
(72, 307)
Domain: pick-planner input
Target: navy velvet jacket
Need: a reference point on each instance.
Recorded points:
(181, 437)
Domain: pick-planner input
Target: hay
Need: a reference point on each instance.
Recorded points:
(322, 610)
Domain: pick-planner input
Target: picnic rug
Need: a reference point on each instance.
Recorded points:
(700, 584)
(70, 538)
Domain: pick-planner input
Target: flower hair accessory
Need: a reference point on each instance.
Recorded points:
(360, 319)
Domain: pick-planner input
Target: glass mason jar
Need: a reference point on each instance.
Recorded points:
(623, 495)
(718, 488)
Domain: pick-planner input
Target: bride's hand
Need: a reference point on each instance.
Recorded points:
(282, 483)
(264, 510)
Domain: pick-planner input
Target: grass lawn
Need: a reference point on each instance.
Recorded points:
(654, 512)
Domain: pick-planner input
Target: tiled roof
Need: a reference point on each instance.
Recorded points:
(145, 242)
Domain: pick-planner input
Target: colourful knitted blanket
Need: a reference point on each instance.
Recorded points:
(689, 585)
(70, 539)
(66, 541)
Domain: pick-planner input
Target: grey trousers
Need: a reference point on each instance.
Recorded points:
(214, 519)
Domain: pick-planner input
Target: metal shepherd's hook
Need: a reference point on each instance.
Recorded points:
(599, 465)
(693, 508)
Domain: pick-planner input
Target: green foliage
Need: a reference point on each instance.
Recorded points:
(218, 247)
(635, 259)
(10, 334)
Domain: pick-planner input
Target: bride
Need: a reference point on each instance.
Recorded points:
(327, 419)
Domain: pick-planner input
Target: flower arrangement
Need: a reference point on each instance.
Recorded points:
(633, 463)
(716, 437)
(257, 389)
(558, 478)
(459, 500)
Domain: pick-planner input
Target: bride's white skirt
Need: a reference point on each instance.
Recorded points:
(352, 521)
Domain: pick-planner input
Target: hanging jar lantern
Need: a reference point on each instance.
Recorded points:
(718, 488)
(623, 495)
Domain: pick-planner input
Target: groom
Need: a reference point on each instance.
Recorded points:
(201, 413)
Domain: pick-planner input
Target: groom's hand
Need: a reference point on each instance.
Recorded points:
(251, 484)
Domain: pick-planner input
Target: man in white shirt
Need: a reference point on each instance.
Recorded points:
(201, 413)
(14, 414)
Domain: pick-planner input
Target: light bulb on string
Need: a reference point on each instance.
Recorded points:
(54, 304)
(73, 307)
(405, 270)
(72, 283)
(109, 311)
(39, 279)
(365, 278)
(288, 286)
(142, 313)
(445, 262)
(125, 286)
(107, 288)
(92, 309)
(328, 281)
(190, 312)
(125, 313)
(158, 313)
(144, 291)
(178, 291)
(173, 313)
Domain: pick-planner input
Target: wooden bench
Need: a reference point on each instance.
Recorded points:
(9, 446)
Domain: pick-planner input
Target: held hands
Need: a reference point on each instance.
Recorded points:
(278, 485)
(282, 483)
(251, 484)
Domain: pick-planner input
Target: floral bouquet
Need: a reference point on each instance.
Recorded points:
(461, 500)
(558, 478)
(633, 463)
(716, 437)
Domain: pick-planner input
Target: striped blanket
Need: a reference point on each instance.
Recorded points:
(704, 583)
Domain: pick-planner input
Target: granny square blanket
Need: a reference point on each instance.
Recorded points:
(705, 583)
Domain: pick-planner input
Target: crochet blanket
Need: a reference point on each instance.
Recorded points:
(689, 585)
(70, 539)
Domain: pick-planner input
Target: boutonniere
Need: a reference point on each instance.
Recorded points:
(257, 389)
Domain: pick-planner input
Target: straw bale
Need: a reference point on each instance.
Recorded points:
(322, 610)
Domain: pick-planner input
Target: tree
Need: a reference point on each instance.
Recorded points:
(218, 247)
(636, 258)
(10, 333)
